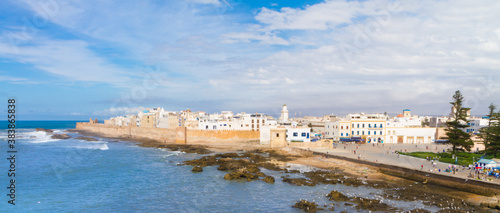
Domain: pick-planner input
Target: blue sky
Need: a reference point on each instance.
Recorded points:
(72, 60)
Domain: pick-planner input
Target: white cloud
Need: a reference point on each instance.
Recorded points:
(70, 59)
(398, 52)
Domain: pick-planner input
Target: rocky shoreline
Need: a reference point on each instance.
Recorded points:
(245, 164)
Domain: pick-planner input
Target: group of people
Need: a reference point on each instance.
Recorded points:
(482, 173)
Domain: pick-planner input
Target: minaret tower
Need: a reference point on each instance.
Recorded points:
(284, 114)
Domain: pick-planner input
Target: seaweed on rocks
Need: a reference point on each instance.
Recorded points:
(197, 169)
(299, 181)
(238, 175)
(371, 204)
(337, 196)
(361, 203)
(269, 179)
(197, 149)
(307, 206)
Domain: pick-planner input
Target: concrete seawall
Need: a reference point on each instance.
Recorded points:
(179, 135)
(468, 185)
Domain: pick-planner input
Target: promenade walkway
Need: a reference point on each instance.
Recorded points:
(385, 153)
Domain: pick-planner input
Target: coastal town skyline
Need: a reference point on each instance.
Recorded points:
(75, 60)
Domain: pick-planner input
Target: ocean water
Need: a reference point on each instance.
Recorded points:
(104, 176)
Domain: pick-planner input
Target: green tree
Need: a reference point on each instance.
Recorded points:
(491, 133)
(454, 133)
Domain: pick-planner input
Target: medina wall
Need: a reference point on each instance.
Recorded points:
(179, 135)
(220, 136)
(164, 135)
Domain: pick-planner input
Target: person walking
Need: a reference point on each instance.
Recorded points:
(422, 167)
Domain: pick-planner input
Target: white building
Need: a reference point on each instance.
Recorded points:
(410, 134)
(475, 124)
(228, 121)
(298, 134)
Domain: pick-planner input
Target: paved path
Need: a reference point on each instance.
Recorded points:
(385, 154)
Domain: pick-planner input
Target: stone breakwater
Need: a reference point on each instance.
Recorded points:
(179, 135)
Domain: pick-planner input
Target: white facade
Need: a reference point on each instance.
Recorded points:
(298, 134)
(476, 124)
(410, 135)
(241, 121)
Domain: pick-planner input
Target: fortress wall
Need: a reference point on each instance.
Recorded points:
(215, 136)
(164, 135)
(179, 135)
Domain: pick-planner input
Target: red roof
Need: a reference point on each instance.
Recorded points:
(400, 115)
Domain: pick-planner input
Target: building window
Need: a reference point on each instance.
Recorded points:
(381, 125)
(358, 125)
(358, 133)
(341, 127)
(363, 125)
(353, 132)
(374, 125)
(295, 134)
(368, 132)
(258, 121)
(380, 132)
(303, 134)
(346, 134)
(369, 125)
(263, 121)
(277, 135)
(363, 132)
(346, 127)
(375, 132)
(341, 134)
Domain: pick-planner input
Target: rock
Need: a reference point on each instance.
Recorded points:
(260, 174)
(307, 206)
(371, 205)
(299, 181)
(48, 131)
(86, 139)
(419, 211)
(60, 136)
(240, 175)
(186, 148)
(337, 196)
(269, 179)
(197, 169)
